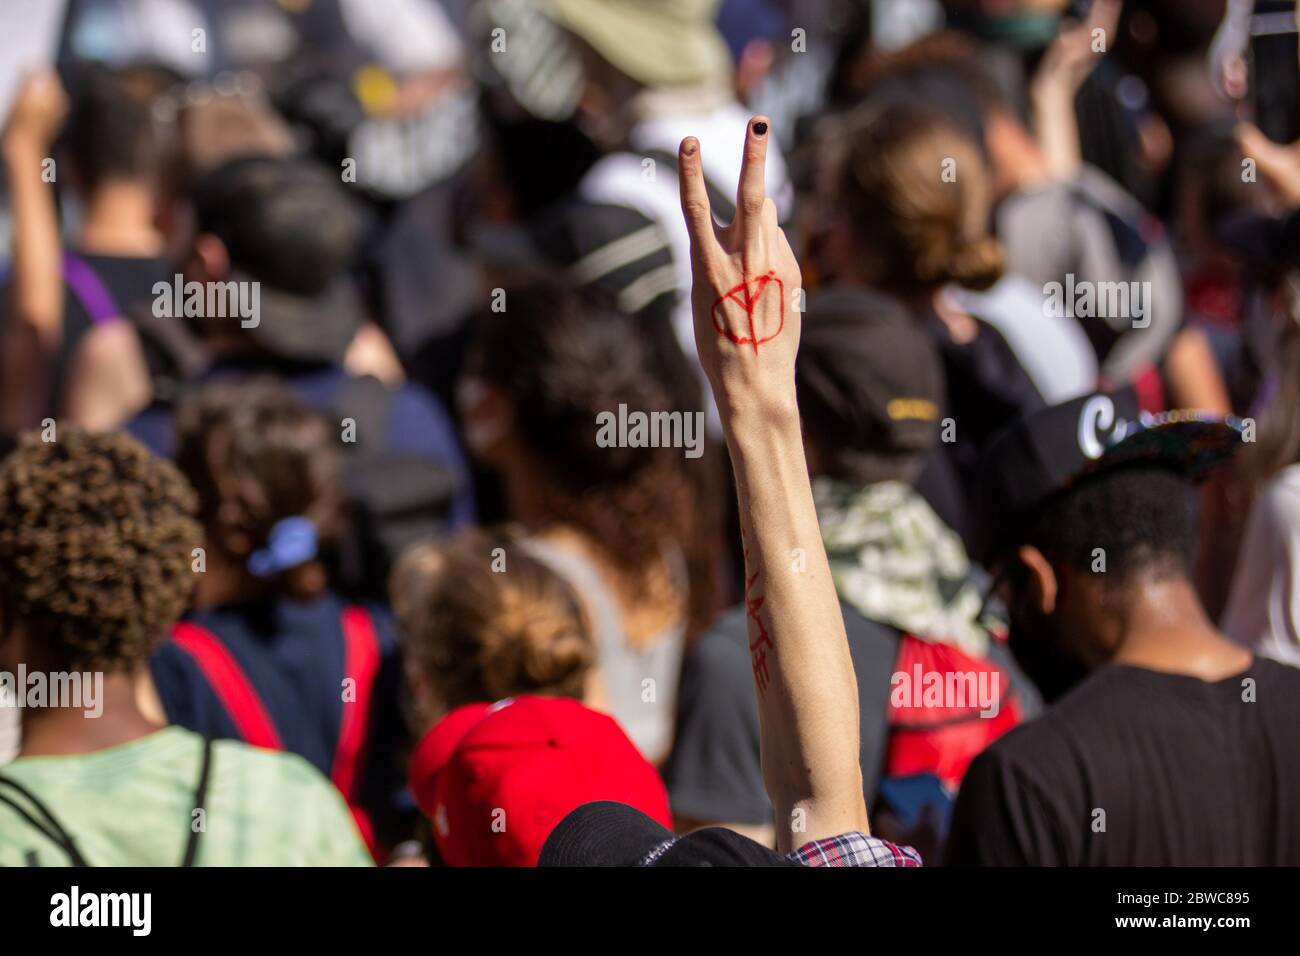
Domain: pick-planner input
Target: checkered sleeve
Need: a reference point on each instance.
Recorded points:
(855, 849)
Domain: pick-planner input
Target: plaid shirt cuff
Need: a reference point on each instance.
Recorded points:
(855, 849)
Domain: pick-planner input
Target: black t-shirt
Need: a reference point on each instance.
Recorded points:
(124, 281)
(127, 280)
(1140, 768)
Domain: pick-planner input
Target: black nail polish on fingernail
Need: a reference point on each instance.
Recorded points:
(760, 129)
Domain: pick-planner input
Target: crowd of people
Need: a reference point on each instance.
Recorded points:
(652, 432)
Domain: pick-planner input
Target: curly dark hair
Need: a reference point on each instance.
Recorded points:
(563, 358)
(96, 542)
(112, 132)
(256, 455)
(1138, 515)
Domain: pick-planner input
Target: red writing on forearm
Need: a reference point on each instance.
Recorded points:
(761, 641)
(746, 297)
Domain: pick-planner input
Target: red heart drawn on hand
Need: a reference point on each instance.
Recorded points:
(746, 297)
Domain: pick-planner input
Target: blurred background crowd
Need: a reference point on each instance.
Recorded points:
(462, 224)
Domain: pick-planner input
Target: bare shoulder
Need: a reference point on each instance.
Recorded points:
(110, 380)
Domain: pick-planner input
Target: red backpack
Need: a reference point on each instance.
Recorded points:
(943, 739)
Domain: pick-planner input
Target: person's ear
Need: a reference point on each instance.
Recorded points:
(1041, 579)
(209, 260)
(174, 218)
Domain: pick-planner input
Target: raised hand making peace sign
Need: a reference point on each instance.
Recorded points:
(746, 286)
(744, 294)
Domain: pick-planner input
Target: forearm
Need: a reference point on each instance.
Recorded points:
(1193, 375)
(1056, 129)
(35, 323)
(37, 283)
(1064, 67)
(803, 674)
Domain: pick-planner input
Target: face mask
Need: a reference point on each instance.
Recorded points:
(1022, 29)
(480, 434)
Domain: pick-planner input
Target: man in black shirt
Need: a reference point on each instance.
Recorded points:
(1166, 744)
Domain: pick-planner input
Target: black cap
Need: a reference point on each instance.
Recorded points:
(605, 833)
(1048, 451)
(287, 225)
(870, 385)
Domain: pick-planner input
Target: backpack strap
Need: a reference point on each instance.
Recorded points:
(49, 826)
(367, 401)
(241, 701)
(200, 799)
(89, 289)
(55, 831)
(229, 682)
(361, 664)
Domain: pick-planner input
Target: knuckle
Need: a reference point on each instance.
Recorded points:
(696, 208)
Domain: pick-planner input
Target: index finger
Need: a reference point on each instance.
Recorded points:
(695, 198)
(751, 190)
(1105, 14)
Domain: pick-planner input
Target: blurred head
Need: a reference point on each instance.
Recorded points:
(284, 222)
(1278, 445)
(870, 388)
(259, 460)
(217, 126)
(1068, 613)
(627, 46)
(941, 72)
(114, 132)
(756, 34)
(482, 621)
(281, 235)
(912, 204)
(96, 545)
(958, 77)
(537, 376)
(208, 126)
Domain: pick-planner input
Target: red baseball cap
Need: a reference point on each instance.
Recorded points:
(495, 779)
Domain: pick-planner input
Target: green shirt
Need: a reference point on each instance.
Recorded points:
(133, 805)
